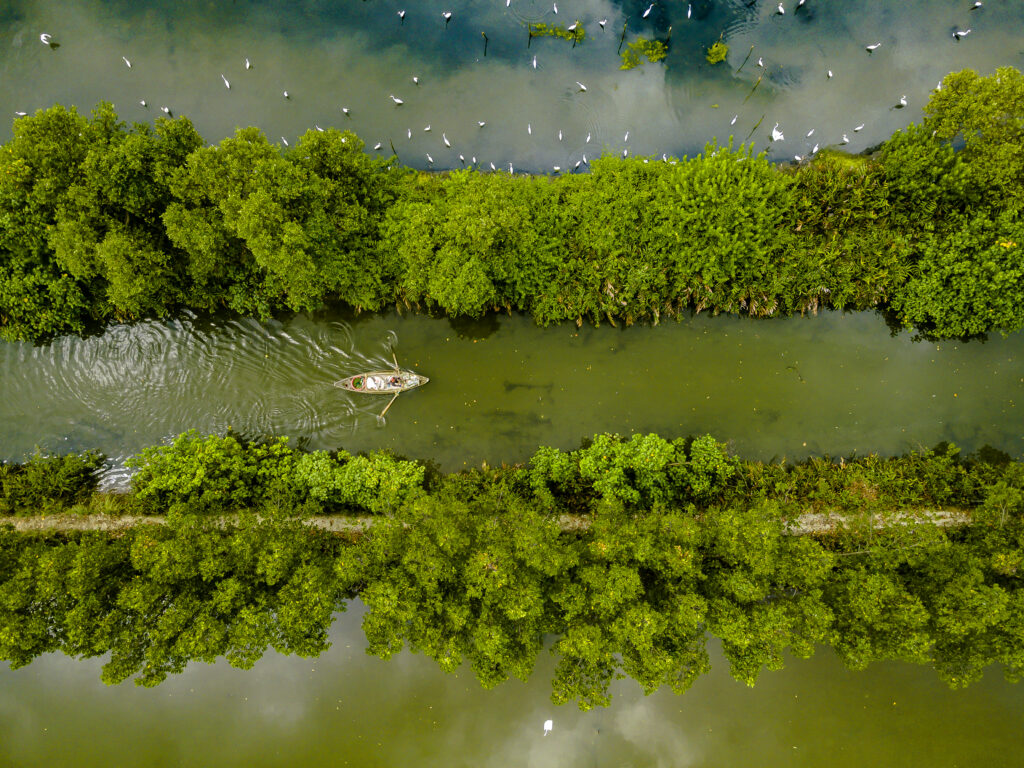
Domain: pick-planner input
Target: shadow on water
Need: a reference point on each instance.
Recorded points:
(475, 327)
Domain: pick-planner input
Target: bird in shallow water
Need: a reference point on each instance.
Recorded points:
(873, 47)
(548, 725)
(648, 11)
(226, 83)
(398, 101)
(126, 62)
(777, 135)
(47, 39)
(960, 34)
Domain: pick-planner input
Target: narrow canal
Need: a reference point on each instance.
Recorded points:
(501, 387)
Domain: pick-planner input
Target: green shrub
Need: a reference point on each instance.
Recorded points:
(48, 483)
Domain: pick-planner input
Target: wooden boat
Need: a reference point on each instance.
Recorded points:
(382, 382)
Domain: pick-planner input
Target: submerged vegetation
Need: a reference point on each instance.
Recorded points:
(642, 48)
(575, 32)
(717, 52)
(103, 222)
(684, 541)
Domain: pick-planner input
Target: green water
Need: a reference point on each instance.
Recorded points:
(501, 387)
(350, 709)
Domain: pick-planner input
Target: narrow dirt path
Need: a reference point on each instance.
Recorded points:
(807, 524)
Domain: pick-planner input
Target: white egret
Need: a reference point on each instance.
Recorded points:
(426, 128)
(798, 158)
(510, 171)
(625, 152)
(830, 74)
(902, 102)
(508, 3)
(626, 137)
(444, 138)
(588, 137)
(377, 146)
(559, 134)
(462, 159)
(346, 111)
(760, 62)
(415, 80)
(780, 10)
(554, 7)
(20, 114)
(47, 39)
(815, 150)
(408, 133)
(284, 140)
(734, 119)
(481, 123)
(961, 33)
(534, 62)
(401, 15)
(398, 101)
(585, 160)
(858, 128)
(976, 6)
(689, 10)
(447, 16)
(557, 168)
(800, 2)
(165, 110)
(648, 11)
(473, 159)
(873, 47)
(602, 22)
(430, 159)
(572, 27)
(810, 133)
(581, 85)
(226, 83)
(846, 139)
(126, 62)
(777, 135)
(317, 126)
(492, 167)
(285, 94)
(529, 129)
(248, 64)
(143, 103)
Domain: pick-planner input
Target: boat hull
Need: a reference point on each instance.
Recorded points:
(382, 382)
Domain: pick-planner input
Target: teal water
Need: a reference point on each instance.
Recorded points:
(330, 55)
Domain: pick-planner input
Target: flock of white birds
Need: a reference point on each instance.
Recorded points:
(776, 136)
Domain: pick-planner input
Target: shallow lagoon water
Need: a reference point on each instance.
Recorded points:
(347, 708)
(330, 55)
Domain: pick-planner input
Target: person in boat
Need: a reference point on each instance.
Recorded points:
(394, 381)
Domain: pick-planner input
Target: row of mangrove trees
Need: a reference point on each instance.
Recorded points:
(104, 222)
(684, 542)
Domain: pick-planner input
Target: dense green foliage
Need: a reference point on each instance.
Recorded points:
(213, 475)
(45, 484)
(100, 222)
(474, 567)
